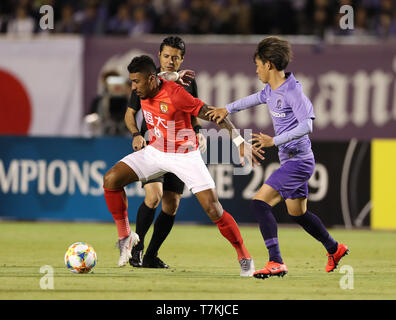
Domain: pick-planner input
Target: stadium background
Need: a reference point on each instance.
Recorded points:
(51, 166)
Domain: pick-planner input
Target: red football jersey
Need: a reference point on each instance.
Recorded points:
(168, 118)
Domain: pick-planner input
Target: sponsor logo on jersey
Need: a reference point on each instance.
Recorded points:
(277, 114)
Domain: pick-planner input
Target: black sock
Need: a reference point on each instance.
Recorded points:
(314, 226)
(162, 226)
(144, 219)
(268, 227)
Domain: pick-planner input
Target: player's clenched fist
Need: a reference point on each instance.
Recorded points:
(217, 114)
(138, 143)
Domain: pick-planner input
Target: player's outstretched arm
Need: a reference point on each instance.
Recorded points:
(219, 114)
(245, 148)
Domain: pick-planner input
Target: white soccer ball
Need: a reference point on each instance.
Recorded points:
(80, 257)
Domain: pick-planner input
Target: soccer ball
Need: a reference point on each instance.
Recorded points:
(80, 257)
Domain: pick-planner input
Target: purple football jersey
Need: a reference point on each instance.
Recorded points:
(288, 106)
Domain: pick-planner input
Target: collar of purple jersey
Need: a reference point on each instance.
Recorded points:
(289, 84)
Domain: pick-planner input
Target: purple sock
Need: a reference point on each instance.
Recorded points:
(268, 227)
(314, 226)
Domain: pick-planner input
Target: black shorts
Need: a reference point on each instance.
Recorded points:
(170, 182)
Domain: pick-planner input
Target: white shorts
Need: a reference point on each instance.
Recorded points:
(150, 163)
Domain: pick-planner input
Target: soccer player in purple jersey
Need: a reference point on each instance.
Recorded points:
(292, 115)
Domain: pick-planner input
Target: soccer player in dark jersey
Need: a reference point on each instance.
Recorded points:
(292, 116)
(167, 108)
(168, 187)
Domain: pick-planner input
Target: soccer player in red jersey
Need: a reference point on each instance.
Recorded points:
(167, 109)
(168, 188)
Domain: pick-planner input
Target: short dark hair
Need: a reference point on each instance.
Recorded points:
(142, 64)
(274, 50)
(174, 42)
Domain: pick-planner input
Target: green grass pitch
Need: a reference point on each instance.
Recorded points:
(203, 265)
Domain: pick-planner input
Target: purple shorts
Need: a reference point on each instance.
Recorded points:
(291, 179)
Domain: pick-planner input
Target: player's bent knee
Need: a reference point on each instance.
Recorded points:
(119, 176)
(296, 207)
(110, 180)
(214, 210)
(210, 203)
(169, 212)
(170, 203)
(170, 209)
(152, 200)
(295, 214)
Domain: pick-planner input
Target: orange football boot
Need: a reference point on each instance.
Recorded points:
(271, 269)
(335, 258)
